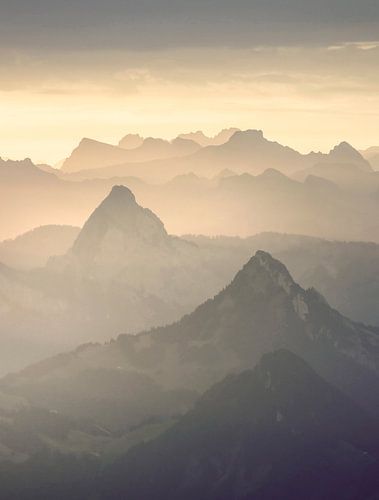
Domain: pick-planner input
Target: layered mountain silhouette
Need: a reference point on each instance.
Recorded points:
(131, 141)
(263, 309)
(250, 151)
(116, 227)
(245, 151)
(349, 177)
(277, 431)
(24, 172)
(204, 140)
(124, 272)
(34, 248)
(92, 154)
(372, 155)
(344, 272)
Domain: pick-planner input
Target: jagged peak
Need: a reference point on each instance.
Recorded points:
(345, 149)
(121, 192)
(27, 162)
(343, 146)
(277, 271)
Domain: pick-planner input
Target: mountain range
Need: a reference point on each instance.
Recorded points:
(244, 151)
(262, 310)
(276, 430)
(331, 196)
(92, 154)
(124, 272)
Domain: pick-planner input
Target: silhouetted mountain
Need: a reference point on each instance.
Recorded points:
(252, 152)
(372, 155)
(124, 273)
(116, 227)
(344, 272)
(278, 431)
(92, 154)
(261, 310)
(131, 141)
(347, 176)
(48, 168)
(200, 138)
(245, 151)
(23, 172)
(34, 248)
(345, 153)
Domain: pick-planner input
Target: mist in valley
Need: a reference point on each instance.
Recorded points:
(189, 251)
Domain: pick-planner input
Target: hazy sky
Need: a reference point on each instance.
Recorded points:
(305, 71)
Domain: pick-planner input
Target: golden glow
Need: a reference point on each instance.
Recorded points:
(308, 98)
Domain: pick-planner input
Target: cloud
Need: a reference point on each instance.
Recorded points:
(159, 24)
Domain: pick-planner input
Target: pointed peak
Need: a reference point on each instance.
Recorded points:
(262, 271)
(118, 223)
(268, 262)
(343, 145)
(121, 192)
(346, 150)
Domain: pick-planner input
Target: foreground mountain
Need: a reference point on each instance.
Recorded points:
(34, 248)
(275, 431)
(278, 431)
(261, 310)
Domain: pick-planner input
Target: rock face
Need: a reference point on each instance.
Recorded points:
(278, 431)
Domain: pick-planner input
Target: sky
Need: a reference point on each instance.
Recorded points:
(305, 72)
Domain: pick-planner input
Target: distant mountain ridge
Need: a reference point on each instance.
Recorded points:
(204, 140)
(92, 154)
(244, 151)
(34, 248)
